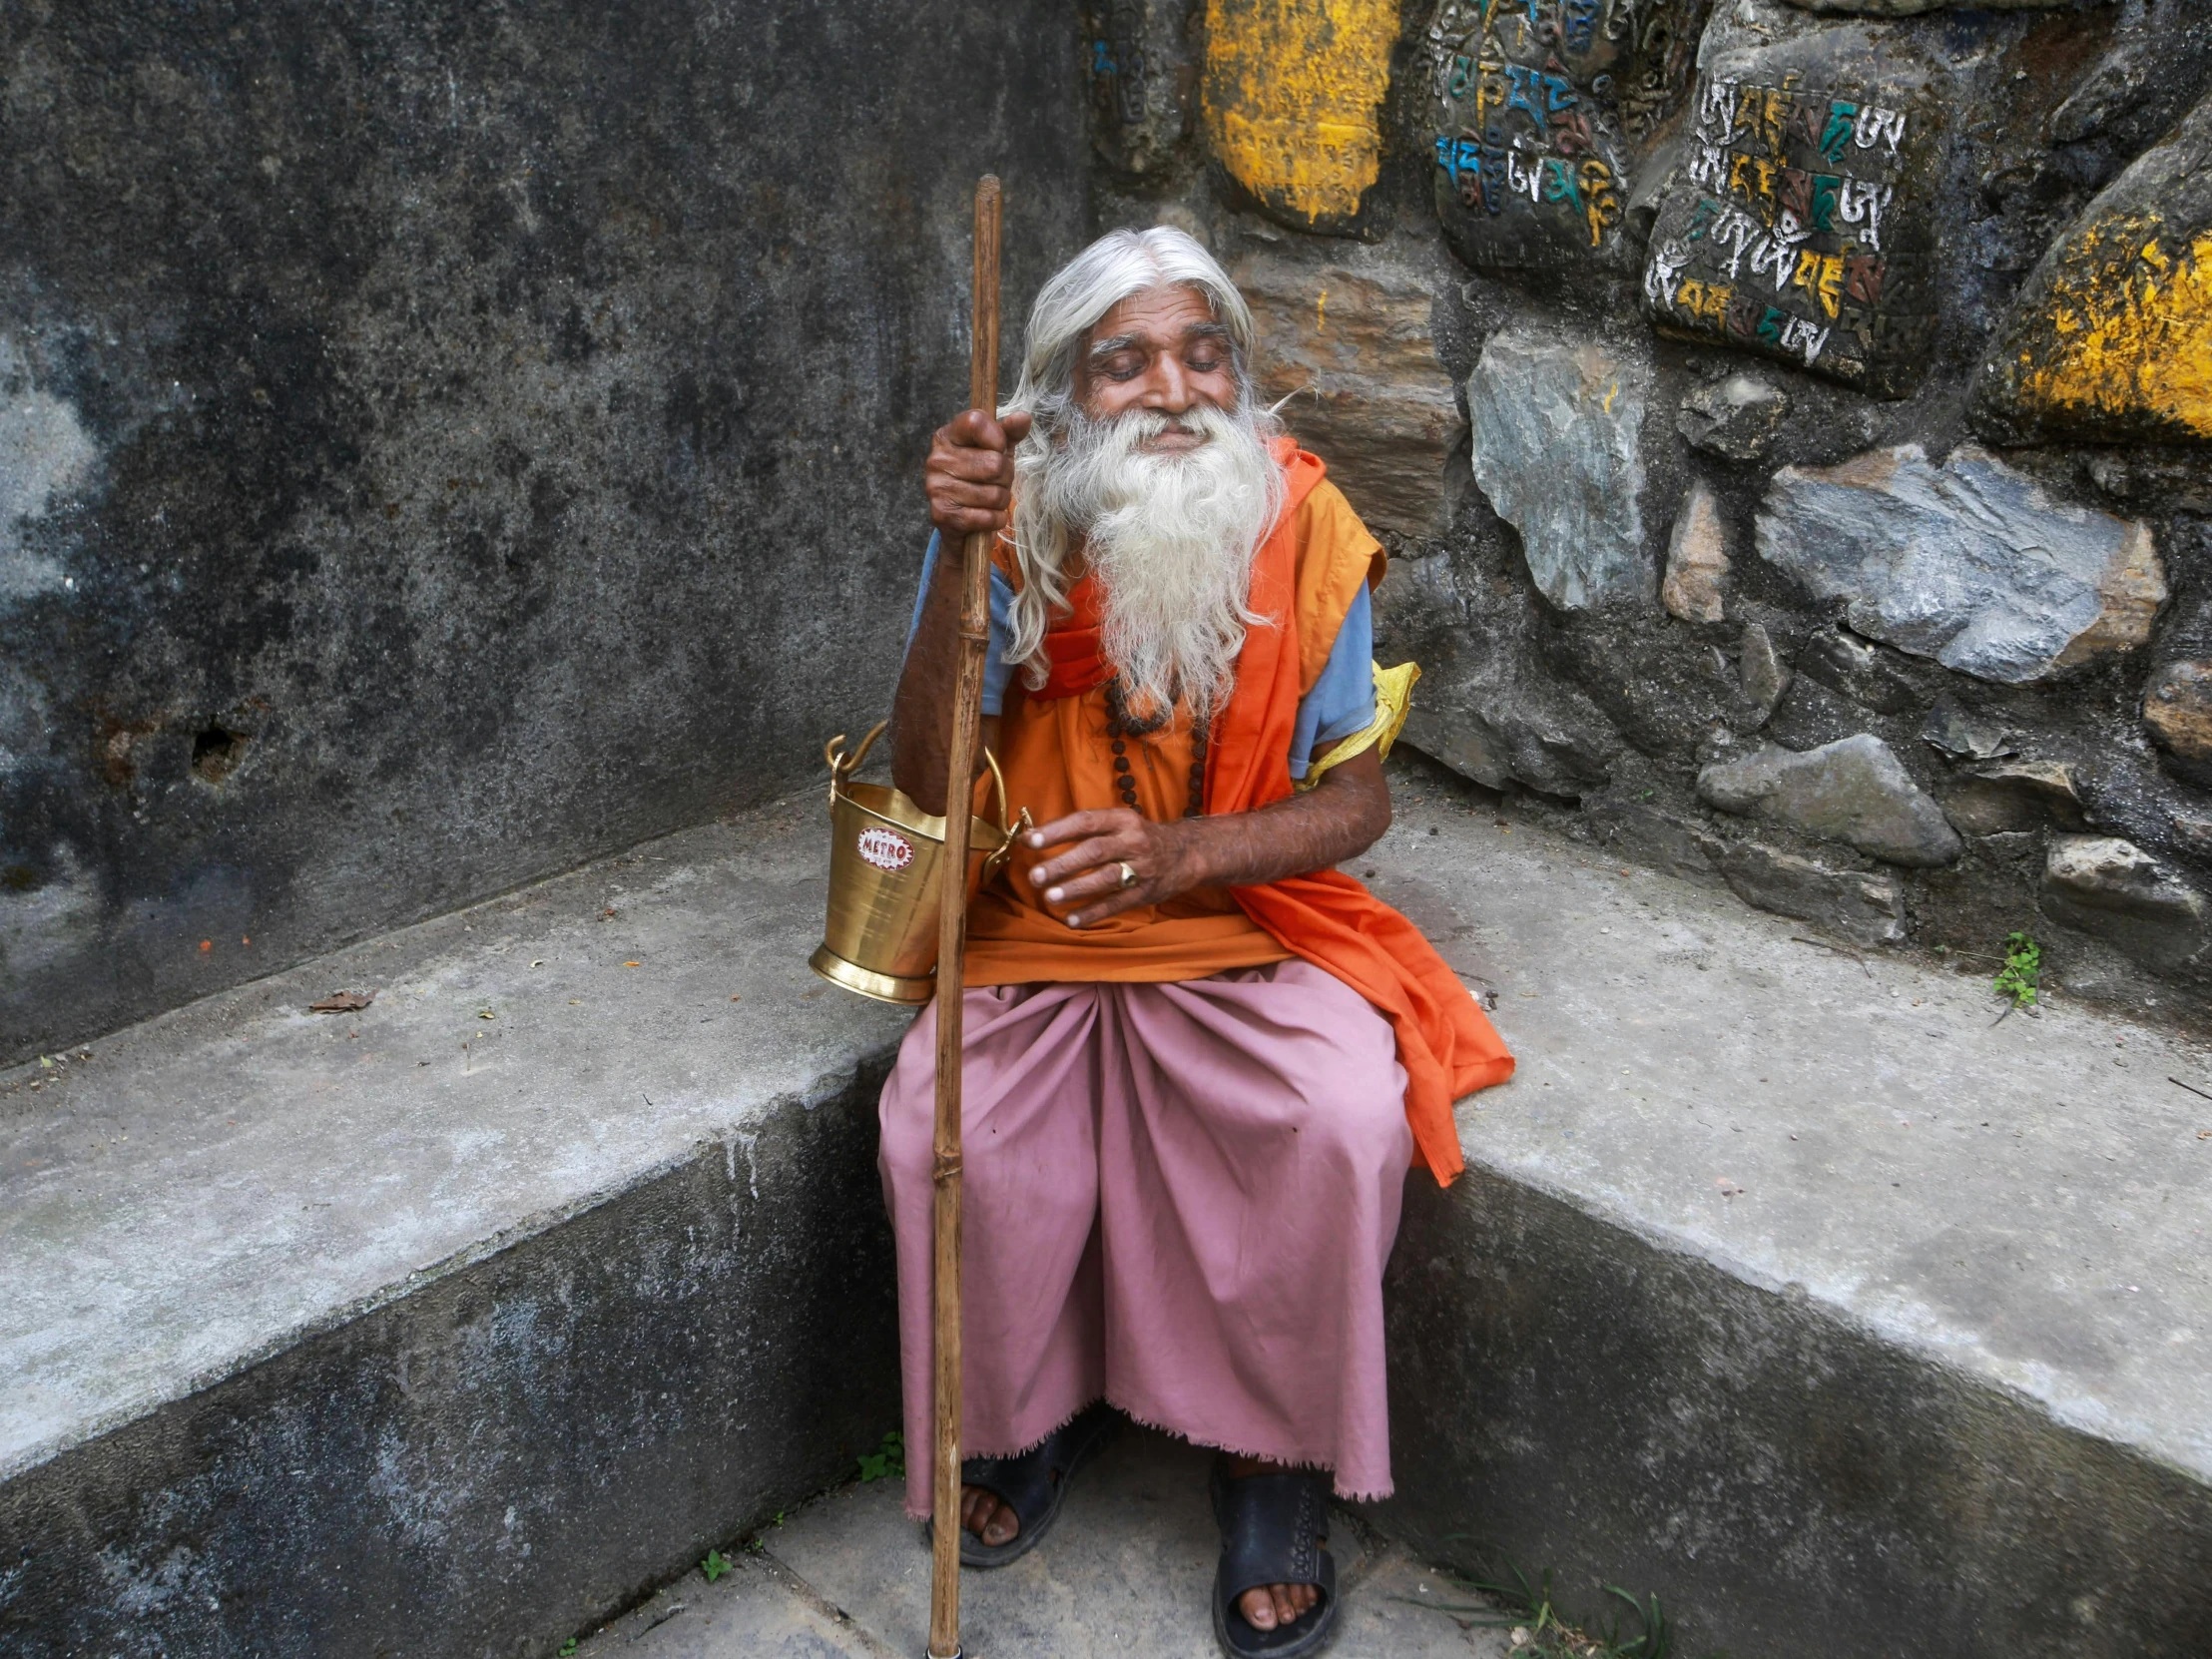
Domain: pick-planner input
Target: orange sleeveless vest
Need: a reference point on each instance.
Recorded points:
(1055, 751)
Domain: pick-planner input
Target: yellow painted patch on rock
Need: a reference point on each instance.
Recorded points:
(1293, 95)
(2125, 334)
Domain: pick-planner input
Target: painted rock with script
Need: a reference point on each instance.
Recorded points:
(1293, 95)
(1144, 81)
(2110, 337)
(1799, 223)
(1970, 563)
(1913, 8)
(1539, 111)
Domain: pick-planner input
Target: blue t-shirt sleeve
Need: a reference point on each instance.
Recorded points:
(997, 669)
(1342, 698)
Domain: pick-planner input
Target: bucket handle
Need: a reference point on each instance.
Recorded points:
(843, 765)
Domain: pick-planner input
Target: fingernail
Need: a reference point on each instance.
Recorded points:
(1075, 921)
(1055, 894)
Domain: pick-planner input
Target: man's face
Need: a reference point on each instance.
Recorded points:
(1160, 349)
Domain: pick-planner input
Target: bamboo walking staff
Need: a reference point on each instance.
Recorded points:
(967, 719)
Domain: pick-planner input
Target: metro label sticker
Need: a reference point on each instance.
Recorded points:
(886, 849)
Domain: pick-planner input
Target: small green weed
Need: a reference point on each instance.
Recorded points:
(888, 1461)
(568, 1647)
(715, 1566)
(2022, 972)
(1541, 1631)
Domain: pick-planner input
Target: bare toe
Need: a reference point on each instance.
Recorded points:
(984, 1514)
(1258, 1608)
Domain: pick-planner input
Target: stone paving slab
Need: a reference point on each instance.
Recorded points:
(1127, 1570)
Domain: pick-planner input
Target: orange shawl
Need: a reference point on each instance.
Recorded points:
(1446, 1045)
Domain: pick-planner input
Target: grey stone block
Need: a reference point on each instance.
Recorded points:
(1738, 1305)
(1971, 563)
(1697, 559)
(1499, 740)
(2005, 797)
(1957, 732)
(1854, 791)
(1666, 840)
(1760, 670)
(1856, 904)
(1344, 336)
(2177, 707)
(1735, 418)
(1558, 423)
(1854, 669)
(2114, 890)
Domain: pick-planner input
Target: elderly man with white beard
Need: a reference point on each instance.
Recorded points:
(1198, 1060)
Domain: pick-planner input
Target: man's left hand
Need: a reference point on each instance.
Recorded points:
(1113, 861)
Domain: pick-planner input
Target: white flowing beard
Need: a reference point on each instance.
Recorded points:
(1171, 537)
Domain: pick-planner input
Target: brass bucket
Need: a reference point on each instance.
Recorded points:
(884, 888)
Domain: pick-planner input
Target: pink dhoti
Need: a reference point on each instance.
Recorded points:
(1178, 1198)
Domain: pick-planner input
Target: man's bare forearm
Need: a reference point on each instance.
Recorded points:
(1338, 819)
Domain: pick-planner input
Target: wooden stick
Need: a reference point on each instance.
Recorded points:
(967, 719)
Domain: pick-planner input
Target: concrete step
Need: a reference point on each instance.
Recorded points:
(1783, 1282)
(1128, 1569)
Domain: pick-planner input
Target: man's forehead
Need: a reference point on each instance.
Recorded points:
(1164, 313)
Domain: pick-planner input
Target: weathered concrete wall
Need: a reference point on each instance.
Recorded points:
(516, 1449)
(441, 442)
(1833, 374)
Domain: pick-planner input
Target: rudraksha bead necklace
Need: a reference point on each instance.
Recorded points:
(1121, 730)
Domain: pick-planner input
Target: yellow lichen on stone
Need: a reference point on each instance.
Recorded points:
(1293, 95)
(2125, 334)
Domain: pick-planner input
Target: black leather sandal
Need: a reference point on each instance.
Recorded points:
(1273, 1532)
(1033, 1484)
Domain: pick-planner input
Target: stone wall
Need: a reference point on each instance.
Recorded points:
(440, 441)
(1793, 423)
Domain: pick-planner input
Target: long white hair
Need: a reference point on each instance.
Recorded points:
(1171, 536)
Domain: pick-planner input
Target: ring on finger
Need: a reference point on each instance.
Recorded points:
(1128, 874)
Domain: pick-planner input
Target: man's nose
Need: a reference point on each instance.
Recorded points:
(1167, 388)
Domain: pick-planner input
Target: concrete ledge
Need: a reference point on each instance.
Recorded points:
(1788, 1483)
(323, 1336)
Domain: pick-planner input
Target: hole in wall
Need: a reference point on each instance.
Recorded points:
(216, 753)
